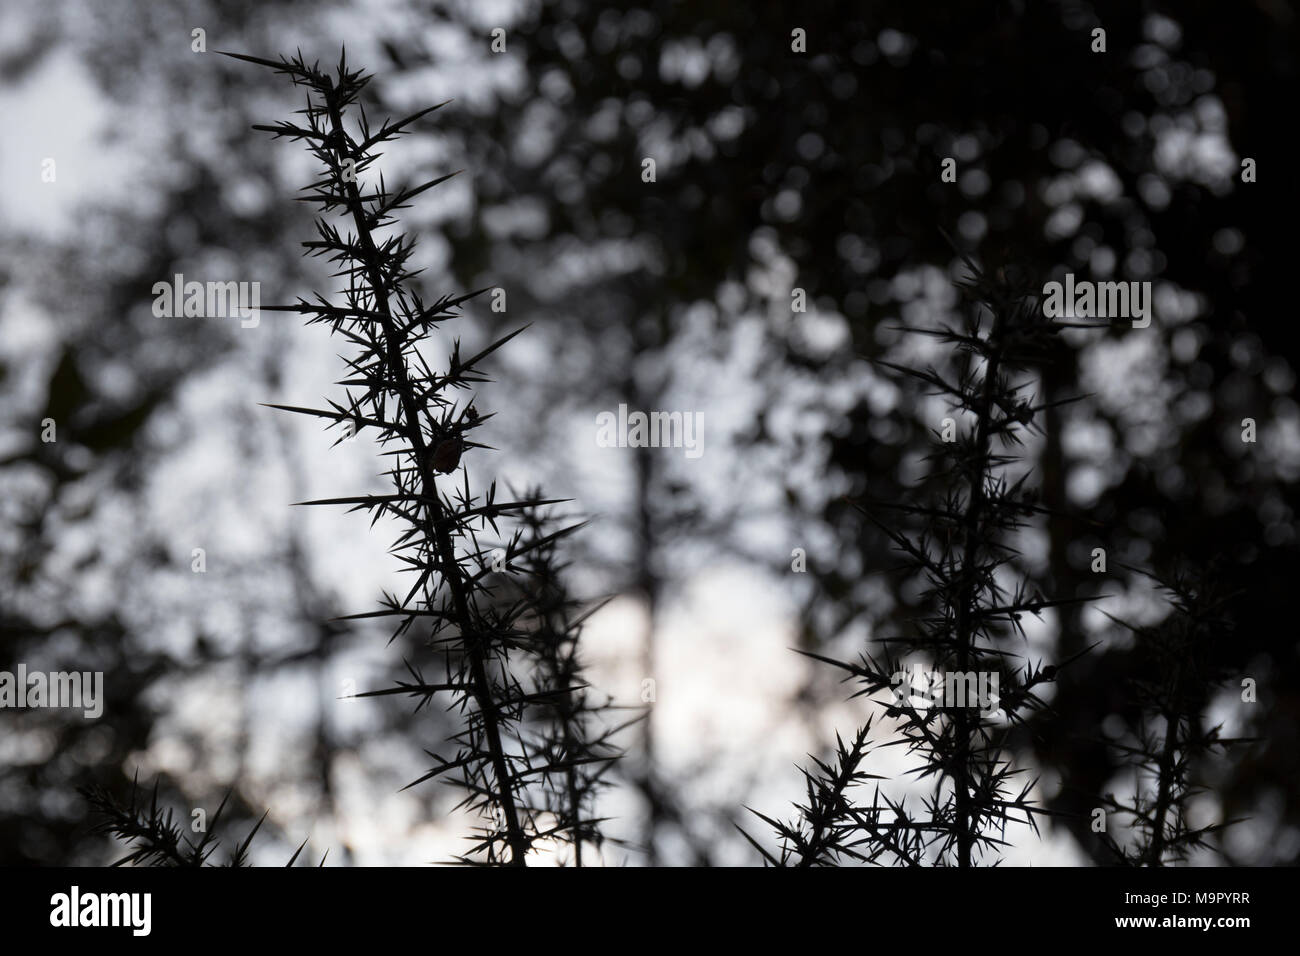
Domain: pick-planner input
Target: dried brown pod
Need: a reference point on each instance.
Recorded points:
(446, 455)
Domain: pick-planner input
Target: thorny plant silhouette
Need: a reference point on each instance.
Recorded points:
(156, 839)
(530, 788)
(532, 750)
(963, 555)
(1168, 740)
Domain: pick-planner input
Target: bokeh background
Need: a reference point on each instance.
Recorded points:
(776, 171)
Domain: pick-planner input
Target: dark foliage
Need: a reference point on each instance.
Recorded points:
(1166, 748)
(156, 839)
(511, 776)
(960, 552)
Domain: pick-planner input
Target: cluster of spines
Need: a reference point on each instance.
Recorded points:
(155, 838)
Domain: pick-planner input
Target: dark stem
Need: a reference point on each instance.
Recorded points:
(1165, 786)
(979, 462)
(437, 531)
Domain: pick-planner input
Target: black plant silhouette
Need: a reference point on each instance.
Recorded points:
(508, 774)
(496, 619)
(156, 839)
(1168, 740)
(960, 551)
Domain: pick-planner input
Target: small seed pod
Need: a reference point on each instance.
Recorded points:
(446, 456)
